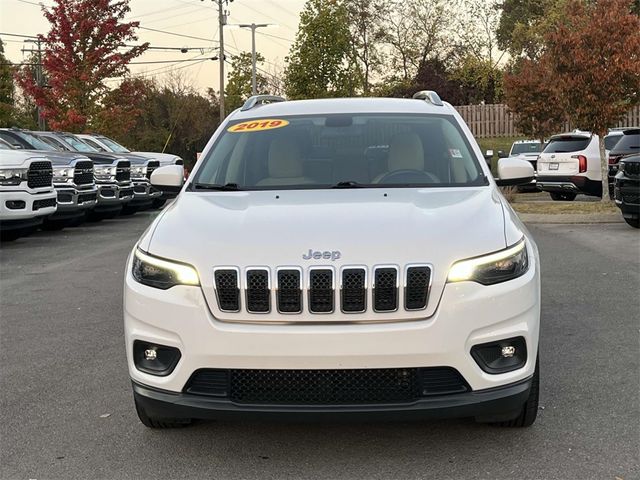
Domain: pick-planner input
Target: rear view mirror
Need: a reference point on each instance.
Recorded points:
(514, 171)
(168, 179)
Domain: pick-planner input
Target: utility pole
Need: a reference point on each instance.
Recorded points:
(222, 21)
(253, 27)
(39, 78)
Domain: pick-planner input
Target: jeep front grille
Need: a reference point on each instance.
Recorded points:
(83, 173)
(40, 174)
(322, 289)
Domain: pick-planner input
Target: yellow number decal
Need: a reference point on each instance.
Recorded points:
(258, 125)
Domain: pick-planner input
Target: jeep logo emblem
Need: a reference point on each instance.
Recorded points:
(318, 255)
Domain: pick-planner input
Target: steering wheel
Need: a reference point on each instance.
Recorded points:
(409, 176)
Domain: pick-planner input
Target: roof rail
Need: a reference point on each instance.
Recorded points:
(261, 100)
(428, 96)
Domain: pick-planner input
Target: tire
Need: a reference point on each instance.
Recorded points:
(529, 411)
(156, 422)
(634, 222)
(563, 197)
(158, 203)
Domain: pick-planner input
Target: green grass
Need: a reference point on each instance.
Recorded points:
(496, 144)
(559, 208)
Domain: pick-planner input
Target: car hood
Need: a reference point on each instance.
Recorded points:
(59, 158)
(163, 158)
(436, 226)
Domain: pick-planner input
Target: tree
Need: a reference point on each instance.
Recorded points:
(534, 99)
(321, 62)
(122, 106)
(85, 46)
(238, 87)
(595, 59)
(7, 91)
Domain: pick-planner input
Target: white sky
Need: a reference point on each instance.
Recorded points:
(198, 18)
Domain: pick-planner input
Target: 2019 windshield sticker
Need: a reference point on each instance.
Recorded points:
(258, 125)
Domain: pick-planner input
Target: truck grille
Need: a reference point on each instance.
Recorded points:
(40, 174)
(123, 171)
(151, 166)
(83, 173)
(326, 387)
(319, 288)
(632, 168)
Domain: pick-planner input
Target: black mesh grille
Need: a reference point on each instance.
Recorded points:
(354, 291)
(630, 196)
(258, 291)
(40, 174)
(126, 192)
(87, 197)
(289, 293)
(385, 293)
(632, 168)
(321, 291)
(151, 166)
(49, 202)
(227, 290)
(123, 172)
(417, 287)
(327, 387)
(83, 173)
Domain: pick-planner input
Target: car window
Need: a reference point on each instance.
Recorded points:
(318, 151)
(519, 148)
(55, 144)
(93, 144)
(78, 144)
(114, 146)
(13, 141)
(5, 145)
(610, 141)
(34, 141)
(567, 144)
(627, 143)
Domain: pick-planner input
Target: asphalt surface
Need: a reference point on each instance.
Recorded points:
(67, 411)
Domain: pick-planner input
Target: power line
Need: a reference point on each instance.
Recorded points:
(177, 34)
(23, 64)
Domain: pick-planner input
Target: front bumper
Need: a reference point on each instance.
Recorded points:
(74, 201)
(112, 196)
(505, 400)
(468, 314)
(626, 194)
(143, 193)
(33, 206)
(571, 184)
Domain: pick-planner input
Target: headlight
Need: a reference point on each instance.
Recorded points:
(63, 174)
(12, 176)
(160, 273)
(139, 171)
(493, 268)
(104, 173)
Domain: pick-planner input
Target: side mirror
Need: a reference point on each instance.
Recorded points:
(488, 155)
(514, 171)
(502, 154)
(168, 179)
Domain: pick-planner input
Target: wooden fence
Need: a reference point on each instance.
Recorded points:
(496, 120)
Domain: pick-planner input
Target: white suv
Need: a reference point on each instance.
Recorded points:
(570, 164)
(344, 256)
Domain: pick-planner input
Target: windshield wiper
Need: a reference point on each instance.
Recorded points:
(227, 187)
(348, 184)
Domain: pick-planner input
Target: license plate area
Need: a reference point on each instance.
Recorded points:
(554, 166)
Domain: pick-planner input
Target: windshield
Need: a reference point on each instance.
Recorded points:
(34, 141)
(114, 146)
(610, 141)
(78, 144)
(320, 151)
(567, 144)
(54, 143)
(532, 147)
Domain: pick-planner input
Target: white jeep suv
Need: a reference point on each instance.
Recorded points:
(332, 257)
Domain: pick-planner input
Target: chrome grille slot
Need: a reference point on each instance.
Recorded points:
(354, 290)
(417, 282)
(289, 294)
(83, 173)
(227, 289)
(258, 291)
(385, 289)
(321, 290)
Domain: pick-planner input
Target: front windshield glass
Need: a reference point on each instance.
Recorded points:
(321, 151)
(34, 141)
(533, 147)
(114, 146)
(78, 144)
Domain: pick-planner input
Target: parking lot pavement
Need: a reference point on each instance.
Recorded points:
(67, 410)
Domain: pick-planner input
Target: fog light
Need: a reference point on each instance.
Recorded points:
(501, 356)
(155, 359)
(15, 204)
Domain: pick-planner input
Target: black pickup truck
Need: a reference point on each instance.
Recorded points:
(626, 191)
(72, 178)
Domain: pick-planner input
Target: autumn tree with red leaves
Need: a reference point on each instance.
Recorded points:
(595, 62)
(85, 46)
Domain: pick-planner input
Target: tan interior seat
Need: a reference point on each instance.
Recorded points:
(405, 153)
(284, 164)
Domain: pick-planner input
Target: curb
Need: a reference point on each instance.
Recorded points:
(569, 218)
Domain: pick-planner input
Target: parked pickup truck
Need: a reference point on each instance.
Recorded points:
(72, 179)
(27, 195)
